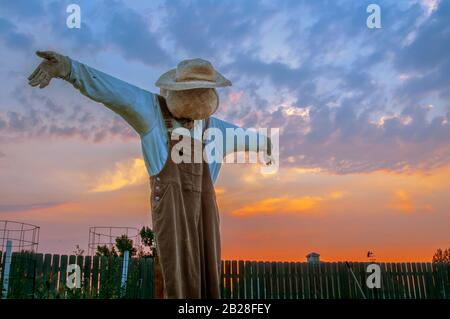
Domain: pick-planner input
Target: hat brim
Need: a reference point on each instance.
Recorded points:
(167, 81)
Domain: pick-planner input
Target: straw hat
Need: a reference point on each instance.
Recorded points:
(190, 91)
(192, 74)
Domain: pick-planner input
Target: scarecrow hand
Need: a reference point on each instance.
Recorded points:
(54, 66)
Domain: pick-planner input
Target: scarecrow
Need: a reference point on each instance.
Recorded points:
(185, 215)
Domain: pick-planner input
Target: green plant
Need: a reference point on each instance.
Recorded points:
(148, 242)
(123, 243)
(106, 251)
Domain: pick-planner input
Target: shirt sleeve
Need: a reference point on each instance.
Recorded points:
(135, 105)
(254, 141)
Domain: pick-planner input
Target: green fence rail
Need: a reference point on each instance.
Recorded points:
(45, 275)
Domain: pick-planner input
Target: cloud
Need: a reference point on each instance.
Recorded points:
(366, 92)
(22, 126)
(278, 206)
(404, 201)
(212, 30)
(49, 116)
(23, 9)
(130, 32)
(426, 58)
(220, 191)
(347, 95)
(12, 38)
(125, 174)
(12, 208)
(286, 205)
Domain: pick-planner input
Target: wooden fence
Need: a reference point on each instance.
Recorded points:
(44, 276)
(294, 280)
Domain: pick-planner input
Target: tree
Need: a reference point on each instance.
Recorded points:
(123, 243)
(148, 242)
(106, 251)
(441, 256)
(147, 236)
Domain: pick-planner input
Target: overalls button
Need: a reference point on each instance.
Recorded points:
(157, 198)
(158, 179)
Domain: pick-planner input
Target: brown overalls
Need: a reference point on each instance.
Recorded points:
(186, 224)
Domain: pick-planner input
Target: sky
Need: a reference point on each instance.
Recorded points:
(363, 117)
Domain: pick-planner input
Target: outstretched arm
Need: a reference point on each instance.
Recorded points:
(133, 104)
(237, 139)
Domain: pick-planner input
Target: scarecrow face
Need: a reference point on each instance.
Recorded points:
(194, 104)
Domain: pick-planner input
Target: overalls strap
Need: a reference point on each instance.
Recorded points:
(165, 112)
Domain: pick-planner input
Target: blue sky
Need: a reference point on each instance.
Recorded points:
(316, 56)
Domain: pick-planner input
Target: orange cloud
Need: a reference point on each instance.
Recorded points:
(220, 190)
(125, 174)
(285, 205)
(304, 170)
(402, 202)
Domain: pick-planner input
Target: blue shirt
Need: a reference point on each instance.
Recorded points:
(140, 109)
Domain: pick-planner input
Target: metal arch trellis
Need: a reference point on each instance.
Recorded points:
(106, 235)
(24, 237)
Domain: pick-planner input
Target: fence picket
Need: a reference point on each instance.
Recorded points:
(248, 280)
(254, 280)
(268, 280)
(222, 278)
(261, 281)
(234, 279)
(38, 275)
(62, 273)
(103, 276)
(241, 279)
(87, 276)
(431, 291)
(227, 279)
(274, 284)
(54, 273)
(95, 274)
(417, 281)
(445, 281)
(293, 280)
(409, 277)
(303, 281)
(439, 280)
(288, 280)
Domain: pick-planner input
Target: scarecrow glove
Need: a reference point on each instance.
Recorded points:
(54, 66)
